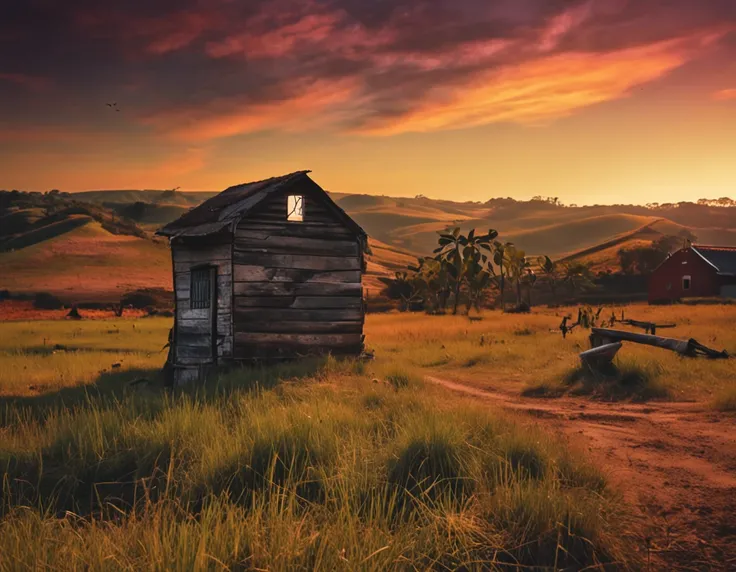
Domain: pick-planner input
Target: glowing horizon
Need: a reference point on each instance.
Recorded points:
(595, 101)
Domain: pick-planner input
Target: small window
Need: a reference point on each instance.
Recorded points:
(686, 282)
(295, 208)
(201, 295)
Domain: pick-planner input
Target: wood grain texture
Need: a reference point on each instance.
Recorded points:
(295, 289)
(255, 273)
(201, 256)
(298, 261)
(297, 245)
(303, 302)
(289, 314)
(254, 344)
(297, 327)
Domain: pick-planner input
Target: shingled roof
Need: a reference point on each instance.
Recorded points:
(722, 258)
(226, 209)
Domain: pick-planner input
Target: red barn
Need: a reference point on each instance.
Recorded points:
(693, 272)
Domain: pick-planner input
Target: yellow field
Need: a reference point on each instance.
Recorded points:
(331, 464)
(518, 350)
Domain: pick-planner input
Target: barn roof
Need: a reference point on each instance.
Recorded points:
(723, 258)
(226, 209)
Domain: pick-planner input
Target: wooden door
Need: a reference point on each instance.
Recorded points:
(204, 302)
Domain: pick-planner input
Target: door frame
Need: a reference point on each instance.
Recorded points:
(213, 311)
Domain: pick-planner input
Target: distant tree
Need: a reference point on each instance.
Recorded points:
(517, 265)
(578, 276)
(401, 287)
(644, 259)
(530, 281)
(137, 210)
(499, 257)
(550, 271)
(463, 256)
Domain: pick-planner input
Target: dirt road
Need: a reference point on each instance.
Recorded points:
(675, 462)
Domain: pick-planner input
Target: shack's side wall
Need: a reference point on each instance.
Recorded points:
(297, 285)
(193, 326)
(666, 282)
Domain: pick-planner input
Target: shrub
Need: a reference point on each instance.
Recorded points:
(617, 381)
(47, 301)
(432, 461)
(400, 378)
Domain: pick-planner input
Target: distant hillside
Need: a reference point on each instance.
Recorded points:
(170, 197)
(98, 244)
(538, 227)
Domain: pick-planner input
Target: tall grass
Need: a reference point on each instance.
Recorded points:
(303, 466)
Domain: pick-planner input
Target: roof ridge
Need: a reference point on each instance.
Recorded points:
(713, 247)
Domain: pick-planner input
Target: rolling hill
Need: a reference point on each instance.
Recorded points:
(98, 244)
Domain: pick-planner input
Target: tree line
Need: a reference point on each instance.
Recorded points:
(472, 269)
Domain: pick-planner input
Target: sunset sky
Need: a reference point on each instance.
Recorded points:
(595, 101)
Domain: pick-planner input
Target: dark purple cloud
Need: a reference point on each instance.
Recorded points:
(213, 61)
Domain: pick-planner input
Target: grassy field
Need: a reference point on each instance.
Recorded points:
(521, 353)
(327, 464)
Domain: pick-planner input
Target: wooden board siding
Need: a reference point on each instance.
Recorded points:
(193, 326)
(296, 285)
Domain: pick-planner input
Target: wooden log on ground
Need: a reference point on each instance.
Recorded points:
(600, 355)
(690, 347)
(648, 327)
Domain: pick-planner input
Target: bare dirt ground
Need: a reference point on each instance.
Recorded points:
(675, 462)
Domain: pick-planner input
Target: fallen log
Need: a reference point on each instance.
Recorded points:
(648, 327)
(690, 348)
(600, 355)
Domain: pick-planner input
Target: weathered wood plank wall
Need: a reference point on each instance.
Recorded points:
(296, 285)
(194, 325)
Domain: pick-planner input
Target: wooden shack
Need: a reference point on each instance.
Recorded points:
(265, 271)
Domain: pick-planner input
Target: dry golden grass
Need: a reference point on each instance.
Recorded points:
(301, 466)
(518, 351)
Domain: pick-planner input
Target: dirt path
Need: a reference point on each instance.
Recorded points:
(675, 462)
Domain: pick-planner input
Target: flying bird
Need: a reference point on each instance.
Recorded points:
(113, 105)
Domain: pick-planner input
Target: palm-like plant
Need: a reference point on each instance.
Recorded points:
(499, 258)
(550, 271)
(463, 256)
(517, 265)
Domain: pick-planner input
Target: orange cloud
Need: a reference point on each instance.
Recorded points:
(725, 95)
(316, 105)
(541, 90)
(179, 163)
